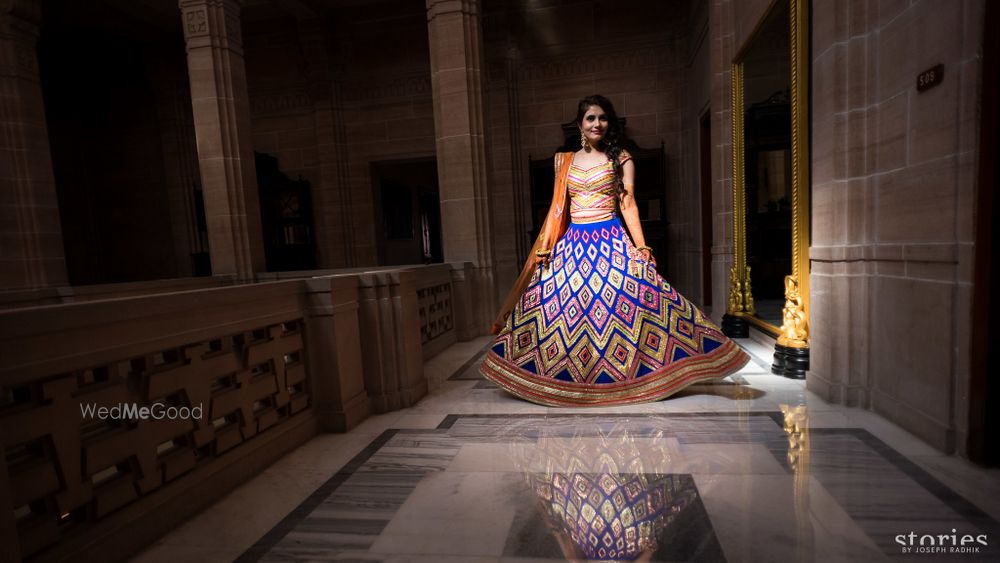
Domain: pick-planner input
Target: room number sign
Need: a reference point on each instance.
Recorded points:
(930, 78)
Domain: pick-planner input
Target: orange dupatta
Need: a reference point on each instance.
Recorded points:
(555, 224)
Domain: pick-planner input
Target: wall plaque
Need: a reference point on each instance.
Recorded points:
(930, 78)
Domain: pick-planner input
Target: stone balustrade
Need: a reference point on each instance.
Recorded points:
(263, 367)
(56, 295)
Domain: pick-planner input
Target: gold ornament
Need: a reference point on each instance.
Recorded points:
(794, 326)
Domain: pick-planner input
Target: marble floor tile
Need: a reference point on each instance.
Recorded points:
(239, 518)
(742, 459)
(438, 558)
(368, 496)
(529, 559)
(393, 459)
(781, 518)
(484, 457)
(887, 431)
(325, 453)
(171, 553)
(377, 424)
(454, 513)
(981, 486)
(419, 420)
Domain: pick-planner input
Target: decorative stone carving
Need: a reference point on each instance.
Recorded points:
(63, 464)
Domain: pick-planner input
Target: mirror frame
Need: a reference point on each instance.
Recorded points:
(794, 331)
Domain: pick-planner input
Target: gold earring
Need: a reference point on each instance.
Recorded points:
(583, 140)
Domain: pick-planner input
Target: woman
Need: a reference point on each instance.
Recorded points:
(589, 321)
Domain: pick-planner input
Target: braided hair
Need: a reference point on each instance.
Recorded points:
(614, 139)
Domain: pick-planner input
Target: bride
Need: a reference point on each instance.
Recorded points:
(590, 321)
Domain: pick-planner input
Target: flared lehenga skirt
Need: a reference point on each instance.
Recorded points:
(596, 326)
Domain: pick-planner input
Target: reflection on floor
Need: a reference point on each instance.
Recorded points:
(752, 468)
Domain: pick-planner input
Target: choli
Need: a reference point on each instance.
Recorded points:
(592, 191)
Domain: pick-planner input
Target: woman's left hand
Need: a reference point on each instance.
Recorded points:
(647, 256)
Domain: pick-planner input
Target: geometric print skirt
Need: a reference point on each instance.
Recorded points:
(599, 326)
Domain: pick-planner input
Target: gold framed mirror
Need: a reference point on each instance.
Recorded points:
(769, 279)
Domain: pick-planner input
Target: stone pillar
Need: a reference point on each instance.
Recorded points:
(461, 301)
(332, 208)
(381, 374)
(406, 320)
(31, 246)
(390, 339)
(221, 107)
(721, 51)
(456, 59)
(180, 158)
(334, 344)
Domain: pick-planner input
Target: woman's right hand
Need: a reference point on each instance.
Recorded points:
(542, 257)
(647, 255)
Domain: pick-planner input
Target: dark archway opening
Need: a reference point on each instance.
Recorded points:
(407, 211)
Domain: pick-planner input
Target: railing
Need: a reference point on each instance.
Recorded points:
(12, 299)
(246, 373)
(408, 316)
(434, 306)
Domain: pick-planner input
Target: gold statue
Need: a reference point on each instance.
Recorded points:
(794, 327)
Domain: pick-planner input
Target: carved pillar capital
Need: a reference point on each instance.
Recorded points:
(213, 23)
(441, 7)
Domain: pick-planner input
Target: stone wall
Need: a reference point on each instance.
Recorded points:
(540, 61)
(721, 51)
(331, 96)
(893, 180)
(386, 100)
(686, 256)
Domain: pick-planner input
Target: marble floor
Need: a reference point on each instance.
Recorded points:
(752, 468)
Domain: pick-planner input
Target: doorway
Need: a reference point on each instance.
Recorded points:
(286, 218)
(407, 211)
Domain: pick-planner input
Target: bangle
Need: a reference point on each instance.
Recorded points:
(644, 247)
(542, 253)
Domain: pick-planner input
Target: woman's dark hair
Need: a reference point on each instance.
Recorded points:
(614, 140)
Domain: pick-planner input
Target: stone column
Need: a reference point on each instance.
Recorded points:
(461, 301)
(390, 339)
(31, 246)
(335, 347)
(456, 59)
(221, 107)
(381, 372)
(721, 50)
(180, 158)
(332, 209)
(406, 321)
